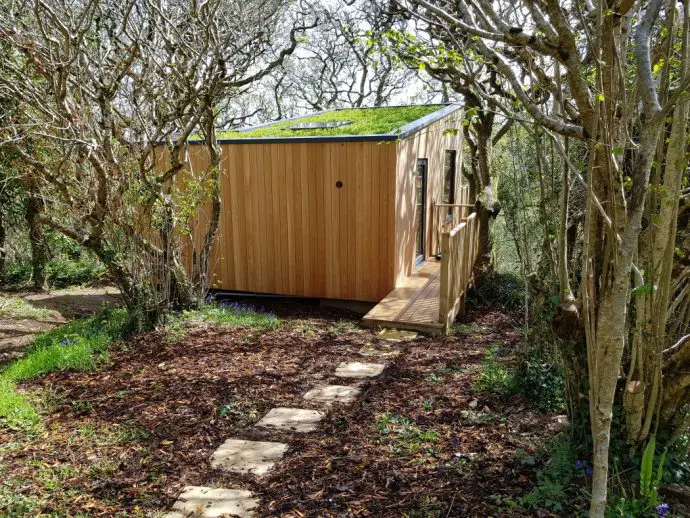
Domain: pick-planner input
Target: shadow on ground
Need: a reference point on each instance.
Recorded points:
(18, 328)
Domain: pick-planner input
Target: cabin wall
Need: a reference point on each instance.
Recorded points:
(430, 143)
(285, 228)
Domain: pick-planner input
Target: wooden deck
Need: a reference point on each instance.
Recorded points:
(414, 305)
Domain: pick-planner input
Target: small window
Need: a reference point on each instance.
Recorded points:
(449, 167)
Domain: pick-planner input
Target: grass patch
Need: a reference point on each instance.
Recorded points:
(112, 435)
(16, 307)
(366, 121)
(467, 329)
(494, 376)
(343, 327)
(80, 345)
(233, 314)
(404, 436)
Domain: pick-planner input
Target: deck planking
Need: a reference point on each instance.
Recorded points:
(414, 305)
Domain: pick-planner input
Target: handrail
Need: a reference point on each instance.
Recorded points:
(445, 216)
(459, 248)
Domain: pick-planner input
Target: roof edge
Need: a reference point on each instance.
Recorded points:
(398, 134)
(421, 123)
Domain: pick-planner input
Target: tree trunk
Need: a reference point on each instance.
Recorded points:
(39, 250)
(3, 252)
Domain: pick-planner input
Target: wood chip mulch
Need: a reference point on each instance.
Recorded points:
(133, 434)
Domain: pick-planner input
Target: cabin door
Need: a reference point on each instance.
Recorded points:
(420, 209)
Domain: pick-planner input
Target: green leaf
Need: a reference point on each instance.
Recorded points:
(422, 65)
(645, 289)
(646, 467)
(660, 469)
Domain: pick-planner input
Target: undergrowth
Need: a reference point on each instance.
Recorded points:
(494, 376)
(60, 272)
(505, 290)
(233, 314)
(559, 470)
(80, 345)
(405, 436)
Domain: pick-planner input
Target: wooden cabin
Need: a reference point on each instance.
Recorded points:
(346, 204)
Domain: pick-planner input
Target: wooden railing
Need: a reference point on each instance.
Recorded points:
(459, 248)
(447, 216)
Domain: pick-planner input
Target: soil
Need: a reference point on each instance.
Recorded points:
(17, 331)
(181, 395)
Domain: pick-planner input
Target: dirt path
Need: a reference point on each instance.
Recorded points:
(24, 314)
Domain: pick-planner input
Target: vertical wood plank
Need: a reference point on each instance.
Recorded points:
(286, 195)
(318, 253)
(308, 182)
(276, 230)
(295, 172)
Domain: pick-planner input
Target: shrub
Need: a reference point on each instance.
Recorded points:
(540, 379)
(61, 272)
(506, 290)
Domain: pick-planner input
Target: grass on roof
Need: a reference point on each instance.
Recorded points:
(366, 121)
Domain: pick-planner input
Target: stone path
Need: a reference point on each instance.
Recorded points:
(329, 394)
(258, 457)
(292, 419)
(359, 370)
(213, 502)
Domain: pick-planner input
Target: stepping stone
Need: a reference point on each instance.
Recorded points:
(380, 350)
(395, 335)
(291, 419)
(208, 502)
(359, 370)
(332, 394)
(256, 457)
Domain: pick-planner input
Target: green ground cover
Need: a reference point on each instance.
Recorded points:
(365, 121)
(83, 345)
(79, 345)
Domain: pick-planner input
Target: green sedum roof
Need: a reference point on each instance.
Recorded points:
(365, 121)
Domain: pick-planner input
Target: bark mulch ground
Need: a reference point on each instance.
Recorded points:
(417, 442)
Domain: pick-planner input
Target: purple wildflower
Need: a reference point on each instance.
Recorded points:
(589, 471)
(579, 464)
(663, 509)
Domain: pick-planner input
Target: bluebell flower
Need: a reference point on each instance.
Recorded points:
(663, 509)
(579, 464)
(589, 471)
